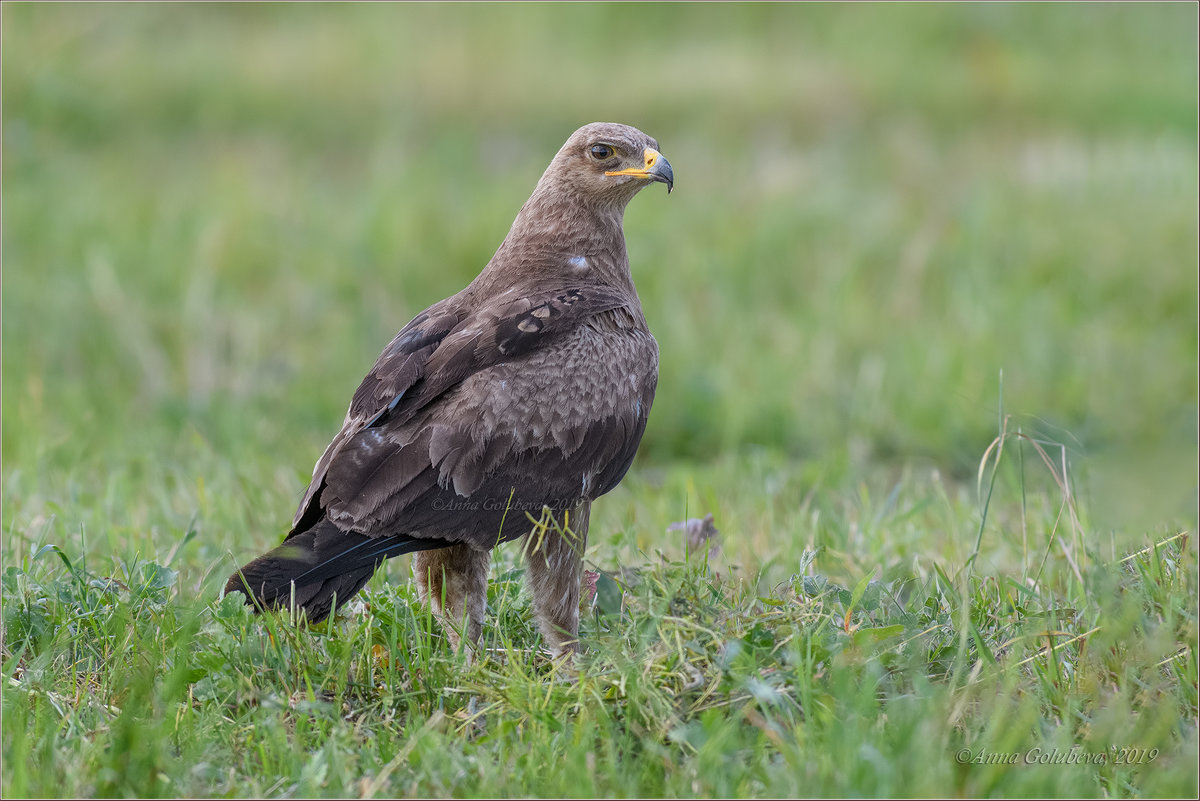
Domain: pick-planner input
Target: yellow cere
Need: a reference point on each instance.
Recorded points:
(651, 156)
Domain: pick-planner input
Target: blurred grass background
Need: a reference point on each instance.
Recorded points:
(217, 215)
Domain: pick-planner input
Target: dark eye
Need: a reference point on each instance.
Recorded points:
(601, 152)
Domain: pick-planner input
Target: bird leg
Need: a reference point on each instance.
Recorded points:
(554, 557)
(453, 581)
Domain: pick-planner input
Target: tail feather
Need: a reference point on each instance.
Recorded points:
(319, 568)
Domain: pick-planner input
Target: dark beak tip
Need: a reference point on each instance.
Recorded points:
(663, 172)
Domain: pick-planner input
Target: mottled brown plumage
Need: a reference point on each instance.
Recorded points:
(523, 396)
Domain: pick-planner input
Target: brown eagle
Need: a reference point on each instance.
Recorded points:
(498, 413)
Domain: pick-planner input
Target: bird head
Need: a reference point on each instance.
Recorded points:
(612, 161)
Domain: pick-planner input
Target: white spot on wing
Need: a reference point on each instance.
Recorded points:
(577, 263)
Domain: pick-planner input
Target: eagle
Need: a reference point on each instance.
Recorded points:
(498, 413)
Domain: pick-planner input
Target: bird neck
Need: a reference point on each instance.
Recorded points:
(558, 236)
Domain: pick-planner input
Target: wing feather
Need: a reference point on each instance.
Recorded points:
(415, 456)
(401, 365)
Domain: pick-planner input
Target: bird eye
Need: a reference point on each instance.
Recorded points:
(601, 152)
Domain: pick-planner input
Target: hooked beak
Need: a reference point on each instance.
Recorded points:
(657, 169)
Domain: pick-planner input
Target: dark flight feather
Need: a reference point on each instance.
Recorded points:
(320, 566)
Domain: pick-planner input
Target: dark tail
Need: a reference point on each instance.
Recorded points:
(327, 567)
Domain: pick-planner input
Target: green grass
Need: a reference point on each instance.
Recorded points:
(901, 236)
